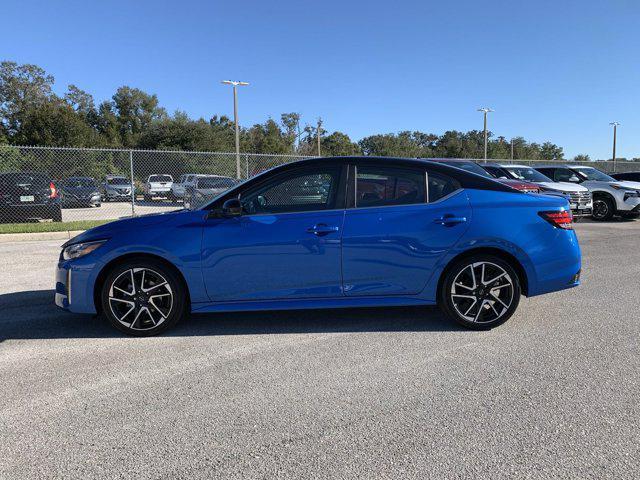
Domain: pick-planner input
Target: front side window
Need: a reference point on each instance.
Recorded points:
(564, 175)
(383, 186)
(301, 191)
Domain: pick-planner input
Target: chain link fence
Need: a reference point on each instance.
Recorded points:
(81, 184)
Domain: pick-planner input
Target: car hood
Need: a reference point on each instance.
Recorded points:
(132, 223)
(119, 185)
(80, 190)
(517, 184)
(629, 184)
(563, 186)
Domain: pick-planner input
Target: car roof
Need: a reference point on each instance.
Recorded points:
(517, 165)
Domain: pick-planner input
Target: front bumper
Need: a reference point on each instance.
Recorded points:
(74, 287)
(159, 192)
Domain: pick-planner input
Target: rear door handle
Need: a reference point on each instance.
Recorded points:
(321, 229)
(450, 220)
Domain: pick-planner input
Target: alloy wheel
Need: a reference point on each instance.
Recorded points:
(600, 209)
(482, 292)
(140, 298)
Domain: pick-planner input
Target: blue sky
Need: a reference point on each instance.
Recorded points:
(552, 70)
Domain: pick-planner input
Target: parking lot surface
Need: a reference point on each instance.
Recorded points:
(113, 210)
(367, 393)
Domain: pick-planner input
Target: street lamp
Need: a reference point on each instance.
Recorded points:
(615, 131)
(485, 110)
(235, 118)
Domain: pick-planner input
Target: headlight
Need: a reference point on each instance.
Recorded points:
(78, 250)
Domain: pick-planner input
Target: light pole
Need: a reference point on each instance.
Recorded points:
(615, 132)
(485, 110)
(318, 130)
(235, 118)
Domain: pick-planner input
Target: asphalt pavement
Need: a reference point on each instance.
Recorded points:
(364, 393)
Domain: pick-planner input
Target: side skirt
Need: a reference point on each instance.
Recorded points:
(309, 303)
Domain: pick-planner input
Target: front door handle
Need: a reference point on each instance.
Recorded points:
(321, 229)
(450, 220)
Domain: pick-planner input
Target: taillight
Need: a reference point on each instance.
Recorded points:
(563, 219)
(53, 190)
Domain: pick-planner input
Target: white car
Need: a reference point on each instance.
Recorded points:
(179, 188)
(580, 197)
(158, 186)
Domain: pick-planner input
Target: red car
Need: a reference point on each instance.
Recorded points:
(473, 167)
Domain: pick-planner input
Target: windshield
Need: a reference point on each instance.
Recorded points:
(591, 173)
(160, 178)
(528, 173)
(470, 167)
(216, 182)
(117, 181)
(80, 183)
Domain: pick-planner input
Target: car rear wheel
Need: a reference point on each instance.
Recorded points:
(603, 209)
(480, 292)
(56, 215)
(143, 298)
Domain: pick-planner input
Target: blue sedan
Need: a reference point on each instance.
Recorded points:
(327, 233)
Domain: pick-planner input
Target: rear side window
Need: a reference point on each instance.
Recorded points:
(383, 186)
(440, 186)
(13, 179)
(215, 182)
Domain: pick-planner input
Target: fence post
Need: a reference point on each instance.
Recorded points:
(133, 186)
(246, 164)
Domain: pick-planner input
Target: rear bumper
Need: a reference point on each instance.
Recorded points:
(10, 213)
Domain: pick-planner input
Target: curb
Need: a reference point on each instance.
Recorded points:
(34, 237)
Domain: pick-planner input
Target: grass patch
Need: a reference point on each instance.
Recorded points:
(50, 226)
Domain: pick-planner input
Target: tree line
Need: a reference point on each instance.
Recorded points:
(32, 114)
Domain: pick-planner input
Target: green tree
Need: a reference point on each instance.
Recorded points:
(136, 111)
(582, 158)
(22, 88)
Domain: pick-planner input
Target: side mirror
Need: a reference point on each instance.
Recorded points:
(232, 208)
(574, 179)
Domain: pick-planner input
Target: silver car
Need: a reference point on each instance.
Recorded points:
(116, 187)
(579, 197)
(205, 188)
(610, 196)
(179, 188)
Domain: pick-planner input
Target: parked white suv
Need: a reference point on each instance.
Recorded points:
(580, 198)
(610, 196)
(158, 186)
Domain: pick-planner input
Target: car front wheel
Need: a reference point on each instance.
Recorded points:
(480, 292)
(143, 298)
(603, 209)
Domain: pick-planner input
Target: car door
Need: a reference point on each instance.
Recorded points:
(287, 242)
(402, 222)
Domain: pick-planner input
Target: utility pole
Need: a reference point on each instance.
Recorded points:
(318, 135)
(615, 131)
(235, 85)
(512, 149)
(485, 110)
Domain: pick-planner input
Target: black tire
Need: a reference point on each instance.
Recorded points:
(491, 300)
(164, 315)
(603, 209)
(56, 215)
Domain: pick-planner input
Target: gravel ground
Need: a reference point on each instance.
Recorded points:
(366, 393)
